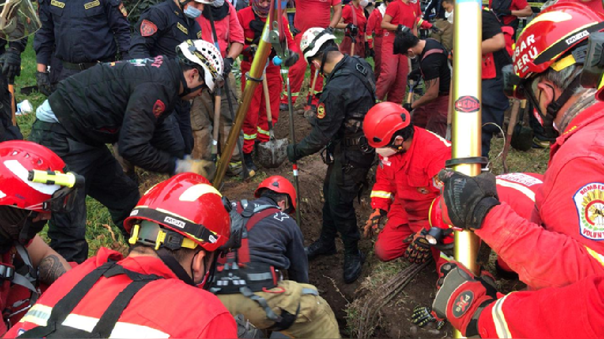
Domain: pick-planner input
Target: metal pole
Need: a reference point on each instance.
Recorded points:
(467, 122)
(254, 77)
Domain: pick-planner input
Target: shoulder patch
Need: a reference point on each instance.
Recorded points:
(321, 111)
(123, 10)
(148, 28)
(182, 28)
(158, 108)
(589, 201)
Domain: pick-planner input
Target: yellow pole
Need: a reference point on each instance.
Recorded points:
(254, 77)
(467, 60)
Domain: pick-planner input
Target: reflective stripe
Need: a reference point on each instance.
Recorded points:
(501, 325)
(39, 314)
(518, 187)
(307, 290)
(249, 136)
(261, 131)
(445, 141)
(595, 255)
(381, 194)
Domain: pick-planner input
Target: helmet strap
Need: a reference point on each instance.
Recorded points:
(166, 256)
(185, 88)
(554, 107)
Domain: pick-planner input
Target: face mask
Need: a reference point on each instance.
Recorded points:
(364, 3)
(217, 3)
(192, 12)
(385, 152)
(449, 16)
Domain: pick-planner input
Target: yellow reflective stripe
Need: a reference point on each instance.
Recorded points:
(595, 255)
(501, 325)
(518, 187)
(381, 194)
(249, 136)
(261, 131)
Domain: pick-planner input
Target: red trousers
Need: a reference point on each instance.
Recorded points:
(359, 46)
(433, 115)
(377, 49)
(392, 82)
(255, 125)
(297, 74)
(390, 245)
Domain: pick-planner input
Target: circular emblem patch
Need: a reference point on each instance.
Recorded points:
(462, 303)
(321, 111)
(589, 201)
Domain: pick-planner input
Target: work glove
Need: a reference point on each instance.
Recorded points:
(435, 30)
(291, 59)
(291, 153)
(125, 55)
(43, 81)
(418, 251)
(205, 168)
(467, 200)
(352, 30)
(462, 297)
(373, 223)
(423, 315)
(415, 76)
(329, 30)
(251, 51)
(10, 62)
(228, 66)
(402, 29)
(407, 106)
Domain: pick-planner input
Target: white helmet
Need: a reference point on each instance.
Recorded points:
(204, 54)
(215, 3)
(313, 39)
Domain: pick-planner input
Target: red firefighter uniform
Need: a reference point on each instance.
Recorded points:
(405, 187)
(309, 13)
(348, 14)
(255, 125)
(374, 27)
(392, 82)
(163, 308)
(573, 311)
(568, 229)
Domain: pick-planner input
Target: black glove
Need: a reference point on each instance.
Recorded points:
(423, 315)
(367, 49)
(418, 251)
(291, 59)
(228, 65)
(401, 29)
(43, 81)
(295, 31)
(251, 50)
(352, 30)
(125, 55)
(329, 30)
(291, 153)
(435, 29)
(407, 106)
(257, 26)
(10, 62)
(467, 199)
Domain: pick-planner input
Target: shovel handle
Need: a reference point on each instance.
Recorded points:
(11, 89)
(217, 104)
(267, 101)
(312, 89)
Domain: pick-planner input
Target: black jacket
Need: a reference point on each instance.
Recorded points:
(348, 94)
(160, 29)
(121, 102)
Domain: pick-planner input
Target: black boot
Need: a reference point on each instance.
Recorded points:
(320, 247)
(249, 163)
(353, 265)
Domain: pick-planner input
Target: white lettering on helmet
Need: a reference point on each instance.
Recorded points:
(212, 239)
(576, 37)
(134, 212)
(174, 222)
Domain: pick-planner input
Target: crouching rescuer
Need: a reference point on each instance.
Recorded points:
(249, 280)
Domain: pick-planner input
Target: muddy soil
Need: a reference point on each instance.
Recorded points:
(326, 272)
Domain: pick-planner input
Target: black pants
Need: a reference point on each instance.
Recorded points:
(341, 186)
(105, 182)
(182, 113)
(494, 104)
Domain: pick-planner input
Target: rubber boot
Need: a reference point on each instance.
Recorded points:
(353, 266)
(249, 163)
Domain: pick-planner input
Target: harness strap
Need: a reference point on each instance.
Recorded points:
(262, 302)
(29, 280)
(306, 291)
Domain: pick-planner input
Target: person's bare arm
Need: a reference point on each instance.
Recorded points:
(235, 49)
(386, 23)
(494, 44)
(522, 13)
(50, 264)
(337, 15)
(431, 93)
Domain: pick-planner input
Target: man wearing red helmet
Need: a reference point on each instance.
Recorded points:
(176, 229)
(566, 242)
(25, 205)
(250, 280)
(410, 158)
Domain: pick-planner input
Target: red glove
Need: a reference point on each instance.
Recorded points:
(418, 251)
(462, 297)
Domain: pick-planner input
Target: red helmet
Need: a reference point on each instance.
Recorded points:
(17, 158)
(545, 40)
(187, 204)
(382, 121)
(278, 184)
(435, 215)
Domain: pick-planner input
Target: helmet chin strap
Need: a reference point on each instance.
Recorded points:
(185, 88)
(324, 58)
(554, 107)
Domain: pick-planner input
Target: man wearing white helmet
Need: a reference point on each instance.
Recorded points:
(338, 129)
(126, 103)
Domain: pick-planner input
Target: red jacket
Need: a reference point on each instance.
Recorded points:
(408, 177)
(361, 21)
(228, 30)
(574, 311)
(519, 190)
(565, 241)
(313, 13)
(163, 308)
(374, 23)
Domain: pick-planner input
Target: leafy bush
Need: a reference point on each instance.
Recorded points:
(136, 7)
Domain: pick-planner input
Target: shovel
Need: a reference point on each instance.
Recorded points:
(271, 154)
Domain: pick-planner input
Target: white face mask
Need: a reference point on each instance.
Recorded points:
(449, 16)
(385, 151)
(364, 3)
